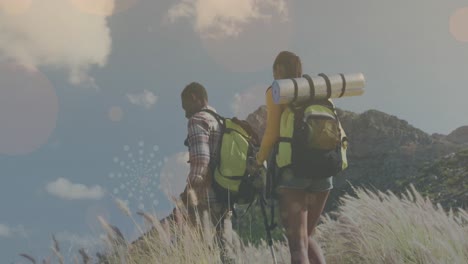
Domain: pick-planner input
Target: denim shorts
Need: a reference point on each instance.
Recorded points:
(286, 179)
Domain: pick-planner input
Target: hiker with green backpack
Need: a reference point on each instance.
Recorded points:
(305, 146)
(220, 150)
(203, 138)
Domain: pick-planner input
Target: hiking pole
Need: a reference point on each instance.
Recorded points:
(260, 187)
(268, 229)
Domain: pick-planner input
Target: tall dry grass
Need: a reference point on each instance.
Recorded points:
(377, 227)
(182, 242)
(368, 227)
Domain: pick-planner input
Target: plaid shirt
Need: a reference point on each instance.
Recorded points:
(204, 134)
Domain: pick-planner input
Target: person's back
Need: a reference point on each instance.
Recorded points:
(204, 134)
(302, 199)
(203, 138)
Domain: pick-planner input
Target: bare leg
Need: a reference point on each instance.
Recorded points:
(315, 252)
(293, 210)
(316, 203)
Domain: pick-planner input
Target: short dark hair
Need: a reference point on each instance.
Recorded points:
(197, 89)
(291, 63)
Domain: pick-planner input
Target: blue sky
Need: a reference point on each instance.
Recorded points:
(89, 94)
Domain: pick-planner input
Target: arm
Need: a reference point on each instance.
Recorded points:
(271, 134)
(199, 149)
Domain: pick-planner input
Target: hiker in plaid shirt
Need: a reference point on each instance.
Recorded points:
(204, 134)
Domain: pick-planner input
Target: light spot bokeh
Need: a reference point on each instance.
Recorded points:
(459, 24)
(135, 176)
(28, 109)
(115, 113)
(174, 173)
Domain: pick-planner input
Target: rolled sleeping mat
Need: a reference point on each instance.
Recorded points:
(317, 87)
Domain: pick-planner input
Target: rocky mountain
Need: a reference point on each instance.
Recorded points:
(257, 120)
(388, 153)
(445, 180)
(459, 135)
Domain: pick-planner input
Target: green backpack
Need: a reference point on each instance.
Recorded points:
(238, 145)
(312, 141)
(234, 180)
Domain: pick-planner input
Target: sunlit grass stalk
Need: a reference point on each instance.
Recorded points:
(377, 227)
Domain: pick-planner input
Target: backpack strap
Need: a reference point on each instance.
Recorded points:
(340, 128)
(311, 87)
(220, 120)
(247, 128)
(242, 123)
(343, 89)
(327, 82)
(214, 114)
(296, 90)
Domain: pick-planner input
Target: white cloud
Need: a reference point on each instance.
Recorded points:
(248, 101)
(6, 231)
(226, 18)
(65, 189)
(145, 99)
(174, 173)
(57, 34)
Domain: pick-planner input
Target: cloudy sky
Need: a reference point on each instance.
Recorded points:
(89, 92)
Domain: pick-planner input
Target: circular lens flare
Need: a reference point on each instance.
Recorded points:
(115, 114)
(28, 109)
(138, 183)
(459, 24)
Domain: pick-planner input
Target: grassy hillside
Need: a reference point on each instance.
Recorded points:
(383, 228)
(367, 227)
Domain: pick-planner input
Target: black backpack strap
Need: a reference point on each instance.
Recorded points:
(296, 90)
(311, 87)
(254, 139)
(343, 89)
(214, 114)
(220, 121)
(328, 83)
